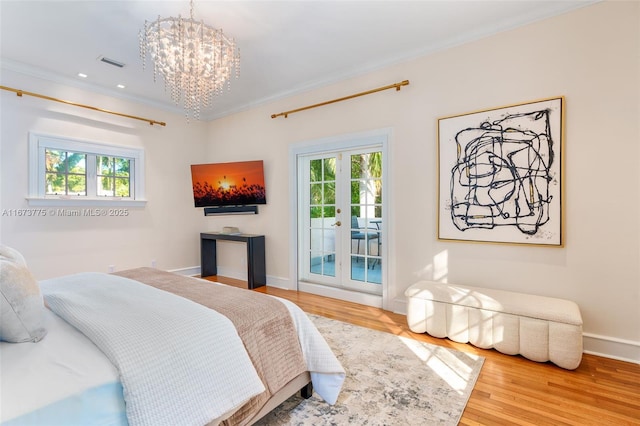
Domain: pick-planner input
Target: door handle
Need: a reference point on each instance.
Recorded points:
(338, 223)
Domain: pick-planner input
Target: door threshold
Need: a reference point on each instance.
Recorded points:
(368, 299)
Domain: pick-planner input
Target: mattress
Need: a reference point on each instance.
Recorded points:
(62, 380)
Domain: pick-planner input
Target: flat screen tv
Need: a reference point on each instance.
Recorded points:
(228, 184)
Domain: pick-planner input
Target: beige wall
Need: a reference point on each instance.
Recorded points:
(591, 57)
(166, 230)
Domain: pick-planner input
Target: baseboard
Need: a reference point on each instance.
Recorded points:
(612, 347)
(190, 271)
(222, 271)
(278, 282)
(237, 274)
(399, 306)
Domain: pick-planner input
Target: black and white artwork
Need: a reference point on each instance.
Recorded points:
(500, 174)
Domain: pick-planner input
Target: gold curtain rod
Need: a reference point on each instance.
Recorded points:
(396, 86)
(49, 98)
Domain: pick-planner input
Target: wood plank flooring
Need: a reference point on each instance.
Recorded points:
(511, 390)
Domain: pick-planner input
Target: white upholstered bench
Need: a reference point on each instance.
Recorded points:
(536, 327)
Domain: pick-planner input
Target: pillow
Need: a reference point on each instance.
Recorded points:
(21, 303)
(12, 254)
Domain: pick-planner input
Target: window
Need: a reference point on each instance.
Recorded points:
(114, 179)
(71, 172)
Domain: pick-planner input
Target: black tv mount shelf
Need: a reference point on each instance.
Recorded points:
(213, 211)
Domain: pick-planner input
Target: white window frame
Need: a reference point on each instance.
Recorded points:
(39, 143)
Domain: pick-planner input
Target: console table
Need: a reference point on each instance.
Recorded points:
(256, 271)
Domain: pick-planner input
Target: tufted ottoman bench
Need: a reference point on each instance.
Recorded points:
(536, 327)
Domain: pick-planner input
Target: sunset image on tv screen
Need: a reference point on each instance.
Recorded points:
(228, 184)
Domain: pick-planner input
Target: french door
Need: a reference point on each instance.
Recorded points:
(340, 219)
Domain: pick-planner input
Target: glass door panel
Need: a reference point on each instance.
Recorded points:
(321, 220)
(365, 197)
(341, 219)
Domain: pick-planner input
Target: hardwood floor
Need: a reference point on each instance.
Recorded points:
(511, 390)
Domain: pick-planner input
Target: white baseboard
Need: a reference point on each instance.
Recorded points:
(612, 347)
(399, 306)
(238, 274)
(223, 271)
(190, 271)
(278, 282)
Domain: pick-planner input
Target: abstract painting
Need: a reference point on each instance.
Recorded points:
(500, 174)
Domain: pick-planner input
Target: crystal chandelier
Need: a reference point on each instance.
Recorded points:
(195, 60)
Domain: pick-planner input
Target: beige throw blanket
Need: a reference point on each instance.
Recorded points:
(263, 323)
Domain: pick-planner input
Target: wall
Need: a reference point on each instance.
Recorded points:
(590, 56)
(165, 230)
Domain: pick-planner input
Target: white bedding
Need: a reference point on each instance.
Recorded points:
(179, 362)
(66, 370)
(327, 374)
(35, 379)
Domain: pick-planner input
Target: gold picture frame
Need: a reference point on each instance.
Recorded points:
(500, 175)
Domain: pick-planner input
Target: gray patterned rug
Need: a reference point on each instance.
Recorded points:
(390, 381)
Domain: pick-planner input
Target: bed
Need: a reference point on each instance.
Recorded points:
(149, 347)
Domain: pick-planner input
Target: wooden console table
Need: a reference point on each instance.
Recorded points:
(256, 271)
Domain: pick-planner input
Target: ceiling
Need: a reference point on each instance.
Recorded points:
(286, 47)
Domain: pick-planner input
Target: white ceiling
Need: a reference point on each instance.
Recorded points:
(286, 46)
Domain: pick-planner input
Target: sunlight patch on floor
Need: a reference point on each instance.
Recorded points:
(451, 369)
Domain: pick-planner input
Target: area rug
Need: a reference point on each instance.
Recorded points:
(390, 380)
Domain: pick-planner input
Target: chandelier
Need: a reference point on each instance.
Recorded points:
(195, 60)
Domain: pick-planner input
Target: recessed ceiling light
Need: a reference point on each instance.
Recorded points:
(121, 86)
(83, 75)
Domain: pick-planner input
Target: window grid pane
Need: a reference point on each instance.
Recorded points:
(122, 167)
(55, 184)
(123, 187)
(105, 166)
(76, 184)
(76, 163)
(54, 160)
(66, 173)
(113, 179)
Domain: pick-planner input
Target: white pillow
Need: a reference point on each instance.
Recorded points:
(21, 303)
